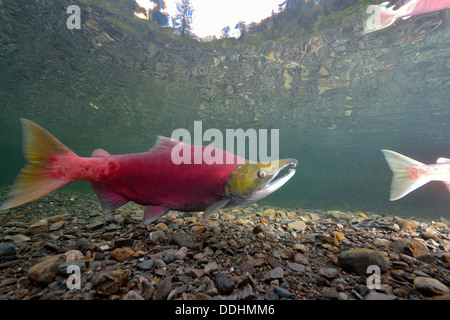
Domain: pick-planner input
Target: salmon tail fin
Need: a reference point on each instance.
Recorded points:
(34, 180)
(402, 183)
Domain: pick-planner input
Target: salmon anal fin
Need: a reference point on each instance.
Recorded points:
(109, 199)
(154, 212)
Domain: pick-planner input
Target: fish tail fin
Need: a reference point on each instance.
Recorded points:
(35, 180)
(402, 183)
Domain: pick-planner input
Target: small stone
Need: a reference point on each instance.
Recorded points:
(330, 292)
(338, 235)
(283, 293)
(357, 260)
(109, 282)
(157, 236)
(56, 226)
(95, 225)
(20, 238)
(198, 229)
(299, 258)
(145, 265)
(257, 229)
(56, 218)
(381, 242)
(201, 296)
(417, 249)
(40, 226)
(73, 255)
(247, 292)
(298, 226)
(46, 270)
(161, 227)
(123, 242)
(122, 254)
(163, 289)
(223, 284)
(181, 239)
(274, 274)
(296, 267)
(132, 295)
(269, 213)
(181, 253)
(329, 273)
(211, 267)
(430, 287)
(373, 295)
(406, 223)
(7, 252)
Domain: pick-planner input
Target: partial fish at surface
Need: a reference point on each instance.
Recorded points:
(383, 16)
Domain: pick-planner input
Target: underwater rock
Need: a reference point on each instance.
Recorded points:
(430, 287)
(357, 260)
(182, 239)
(40, 226)
(45, 271)
(110, 282)
(7, 252)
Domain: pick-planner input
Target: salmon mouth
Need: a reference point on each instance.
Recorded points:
(277, 181)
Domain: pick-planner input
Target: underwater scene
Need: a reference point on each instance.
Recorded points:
(224, 150)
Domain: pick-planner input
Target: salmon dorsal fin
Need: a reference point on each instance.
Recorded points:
(100, 153)
(164, 143)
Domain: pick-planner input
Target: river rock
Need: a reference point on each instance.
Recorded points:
(45, 271)
(223, 284)
(357, 260)
(40, 226)
(182, 239)
(109, 282)
(430, 287)
(122, 254)
(406, 223)
(7, 252)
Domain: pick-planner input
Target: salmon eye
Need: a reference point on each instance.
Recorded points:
(261, 174)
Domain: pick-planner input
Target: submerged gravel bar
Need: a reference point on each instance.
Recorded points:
(63, 247)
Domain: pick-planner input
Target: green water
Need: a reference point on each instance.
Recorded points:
(337, 97)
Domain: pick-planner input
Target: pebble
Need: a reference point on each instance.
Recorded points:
(109, 282)
(182, 239)
(45, 271)
(283, 293)
(122, 254)
(223, 284)
(40, 226)
(7, 252)
(145, 265)
(357, 260)
(274, 274)
(430, 287)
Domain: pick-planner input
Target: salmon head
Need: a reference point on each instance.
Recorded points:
(253, 181)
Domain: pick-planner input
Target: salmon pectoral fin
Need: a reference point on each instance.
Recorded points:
(109, 199)
(154, 212)
(215, 207)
